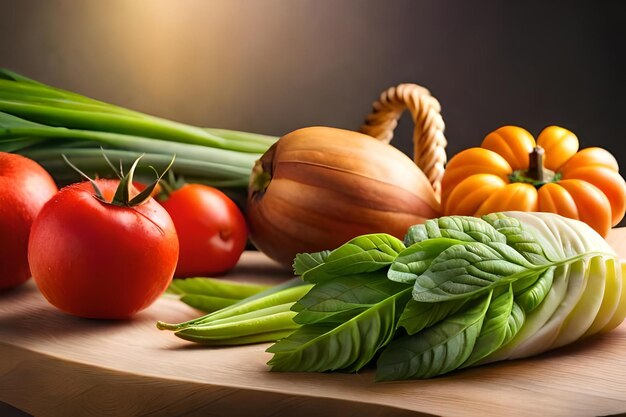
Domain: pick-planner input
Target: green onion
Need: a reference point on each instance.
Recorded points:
(264, 316)
(211, 294)
(207, 303)
(280, 295)
(216, 287)
(43, 122)
(281, 321)
(91, 162)
(247, 339)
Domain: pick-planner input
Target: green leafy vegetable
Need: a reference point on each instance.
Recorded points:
(465, 269)
(417, 258)
(531, 297)
(307, 261)
(502, 321)
(437, 350)
(418, 315)
(362, 254)
(463, 292)
(461, 228)
(369, 315)
(529, 245)
(343, 294)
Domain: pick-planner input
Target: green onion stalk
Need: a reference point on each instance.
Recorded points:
(238, 314)
(43, 123)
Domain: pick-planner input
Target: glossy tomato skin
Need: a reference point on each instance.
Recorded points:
(211, 230)
(97, 260)
(24, 188)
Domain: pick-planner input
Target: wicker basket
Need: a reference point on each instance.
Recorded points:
(429, 142)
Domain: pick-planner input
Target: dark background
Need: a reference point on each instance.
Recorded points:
(272, 66)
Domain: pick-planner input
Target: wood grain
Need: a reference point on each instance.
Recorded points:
(52, 364)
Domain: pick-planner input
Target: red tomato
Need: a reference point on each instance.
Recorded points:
(24, 188)
(211, 230)
(98, 260)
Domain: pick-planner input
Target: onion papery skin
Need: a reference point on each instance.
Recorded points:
(319, 187)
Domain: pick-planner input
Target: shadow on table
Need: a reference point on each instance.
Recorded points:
(8, 411)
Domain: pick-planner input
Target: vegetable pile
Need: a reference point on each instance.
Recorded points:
(458, 292)
(106, 250)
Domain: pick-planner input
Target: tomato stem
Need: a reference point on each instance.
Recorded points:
(96, 189)
(169, 185)
(122, 193)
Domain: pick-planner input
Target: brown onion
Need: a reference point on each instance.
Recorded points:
(318, 187)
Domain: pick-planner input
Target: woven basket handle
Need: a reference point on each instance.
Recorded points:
(429, 143)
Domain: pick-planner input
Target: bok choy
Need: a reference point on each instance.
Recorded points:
(43, 122)
(458, 292)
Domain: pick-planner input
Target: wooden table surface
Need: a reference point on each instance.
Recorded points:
(52, 364)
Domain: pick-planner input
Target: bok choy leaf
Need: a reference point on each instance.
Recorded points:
(458, 293)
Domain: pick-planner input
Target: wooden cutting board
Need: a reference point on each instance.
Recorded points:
(52, 364)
